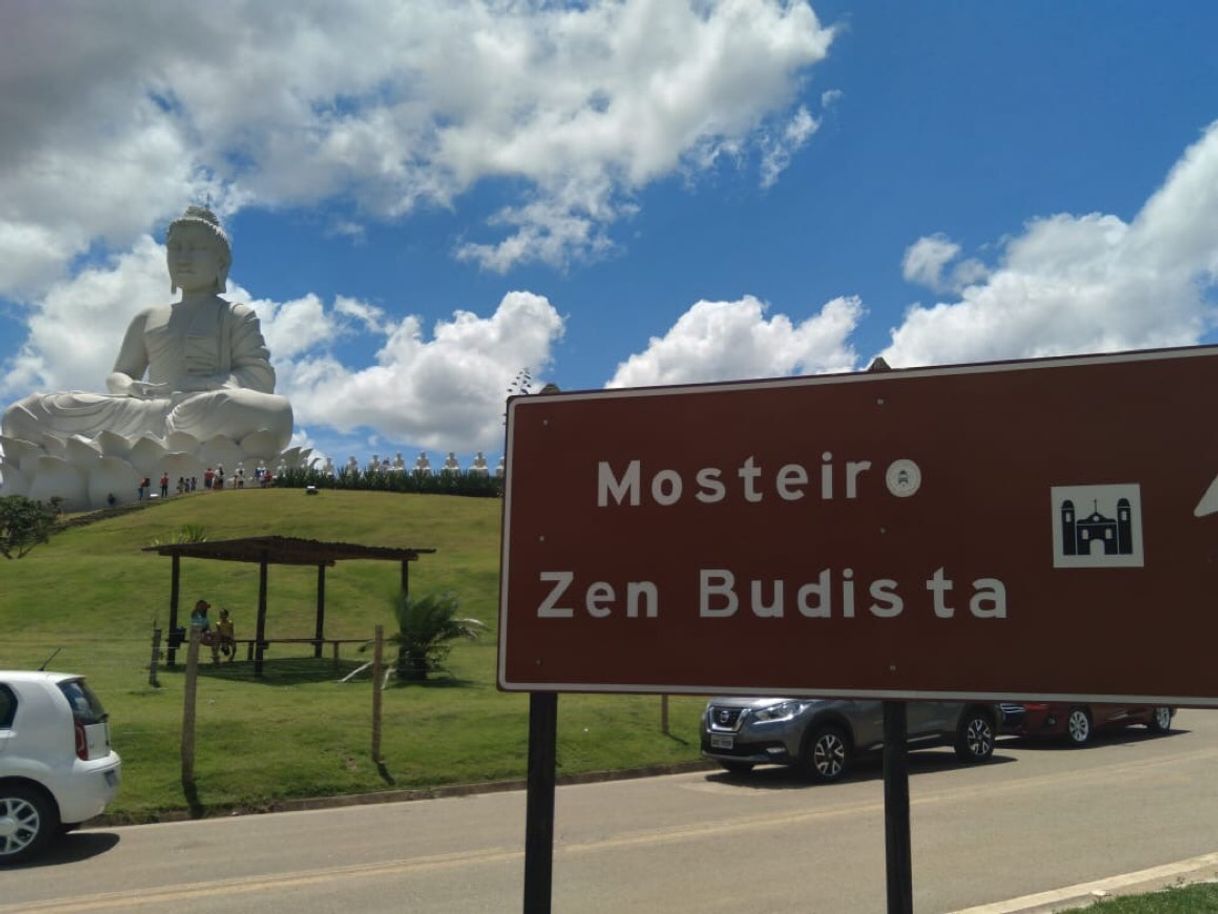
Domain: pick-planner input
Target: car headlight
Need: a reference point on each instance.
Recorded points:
(784, 710)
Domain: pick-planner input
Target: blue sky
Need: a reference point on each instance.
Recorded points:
(425, 198)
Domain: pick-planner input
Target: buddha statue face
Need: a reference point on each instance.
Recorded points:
(197, 257)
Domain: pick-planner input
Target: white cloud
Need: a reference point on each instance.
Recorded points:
(370, 316)
(777, 151)
(294, 327)
(1089, 283)
(926, 259)
(126, 113)
(75, 335)
(719, 341)
(447, 392)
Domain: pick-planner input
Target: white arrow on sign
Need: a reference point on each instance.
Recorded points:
(1209, 501)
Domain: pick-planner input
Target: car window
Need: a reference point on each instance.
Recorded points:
(8, 706)
(86, 707)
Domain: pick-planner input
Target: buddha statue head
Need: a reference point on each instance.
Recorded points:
(198, 252)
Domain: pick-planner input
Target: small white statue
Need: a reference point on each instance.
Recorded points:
(352, 466)
(502, 468)
(479, 465)
(374, 465)
(399, 465)
(327, 468)
(451, 465)
(422, 466)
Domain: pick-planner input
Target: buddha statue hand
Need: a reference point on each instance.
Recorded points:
(147, 390)
(123, 385)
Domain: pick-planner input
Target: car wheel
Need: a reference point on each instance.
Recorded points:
(1160, 720)
(826, 755)
(27, 822)
(736, 767)
(1078, 726)
(975, 737)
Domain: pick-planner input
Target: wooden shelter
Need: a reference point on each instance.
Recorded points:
(277, 550)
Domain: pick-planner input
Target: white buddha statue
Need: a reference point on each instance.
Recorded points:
(374, 465)
(192, 385)
(208, 369)
(451, 465)
(502, 468)
(352, 466)
(327, 468)
(422, 466)
(399, 465)
(479, 465)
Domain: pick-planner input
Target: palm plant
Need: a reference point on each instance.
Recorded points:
(426, 626)
(187, 533)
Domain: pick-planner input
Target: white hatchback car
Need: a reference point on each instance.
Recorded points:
(56, 765)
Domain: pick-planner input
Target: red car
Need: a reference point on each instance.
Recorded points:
(1078, 723)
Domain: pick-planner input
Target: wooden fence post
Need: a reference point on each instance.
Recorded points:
(188, 711)
(377, 657)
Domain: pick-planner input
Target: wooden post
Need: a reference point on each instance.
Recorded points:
(174, 578)
(321, 614)
(664, 714)
(377, 656)
(156, 656)
(898, 855)
(539, 802)
(336, 657)
(405, 577)
(261, 632)
(188, 711)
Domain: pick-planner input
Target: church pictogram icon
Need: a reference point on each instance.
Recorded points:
(1097, 526)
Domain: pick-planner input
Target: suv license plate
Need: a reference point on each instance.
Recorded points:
(722, 742)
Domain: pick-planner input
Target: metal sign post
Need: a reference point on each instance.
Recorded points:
(539, 802)
(898, 856)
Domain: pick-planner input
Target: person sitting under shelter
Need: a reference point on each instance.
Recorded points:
(200, 623)
(226, 639)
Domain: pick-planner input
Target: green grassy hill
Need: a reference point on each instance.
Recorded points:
(95, 595)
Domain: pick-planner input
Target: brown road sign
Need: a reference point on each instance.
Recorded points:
(1035, 529)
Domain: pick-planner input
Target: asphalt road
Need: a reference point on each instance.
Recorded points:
(1040, 816)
